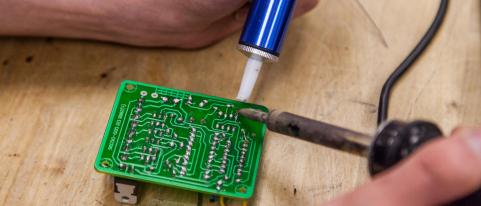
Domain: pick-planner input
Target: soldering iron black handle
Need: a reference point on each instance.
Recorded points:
(396, 140)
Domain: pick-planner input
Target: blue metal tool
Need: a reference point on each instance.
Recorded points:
(262, 38)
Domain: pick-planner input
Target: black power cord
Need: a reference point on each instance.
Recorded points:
(410, 59)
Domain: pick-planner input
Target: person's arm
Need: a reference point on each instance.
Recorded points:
(182, 23)
(61, 18)
(437, 174)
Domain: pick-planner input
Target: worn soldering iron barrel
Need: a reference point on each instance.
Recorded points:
(266, 27)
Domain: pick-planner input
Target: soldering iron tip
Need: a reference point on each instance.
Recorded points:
(254, 114)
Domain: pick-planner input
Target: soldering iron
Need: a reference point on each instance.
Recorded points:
(392, 142)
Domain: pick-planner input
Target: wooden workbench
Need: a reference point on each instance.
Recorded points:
(56, 96)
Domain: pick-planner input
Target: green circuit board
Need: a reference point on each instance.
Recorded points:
(182, 139)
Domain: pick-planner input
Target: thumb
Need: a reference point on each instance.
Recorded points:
(437, 174)
(213, 9)
(214, 32)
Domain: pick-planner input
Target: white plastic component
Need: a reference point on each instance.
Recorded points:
(251, 71)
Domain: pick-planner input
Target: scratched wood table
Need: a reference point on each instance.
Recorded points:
(56, 96)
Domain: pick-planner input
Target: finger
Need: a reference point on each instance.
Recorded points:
(228, 25)
(304, 6)
(440, 172)
(217, 9)
(215, 32)
(460, 130)
(212, 10)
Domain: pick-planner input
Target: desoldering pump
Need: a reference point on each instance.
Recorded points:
(262, 37)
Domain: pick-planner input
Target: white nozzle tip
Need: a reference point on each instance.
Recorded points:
(251, 71)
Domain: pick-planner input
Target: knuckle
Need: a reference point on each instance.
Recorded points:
(307, 5)
(313, 3)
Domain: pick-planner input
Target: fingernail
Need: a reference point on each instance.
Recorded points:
(473, 140)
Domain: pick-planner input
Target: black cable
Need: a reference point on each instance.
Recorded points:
(410, 59)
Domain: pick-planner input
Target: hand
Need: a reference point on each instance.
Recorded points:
(172, 23)
(437, 174)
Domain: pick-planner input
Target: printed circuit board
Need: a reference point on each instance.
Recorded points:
(182, 139)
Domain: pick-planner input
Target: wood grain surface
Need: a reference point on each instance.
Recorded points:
(56, 96)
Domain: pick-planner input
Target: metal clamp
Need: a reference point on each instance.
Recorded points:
(126, 191)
